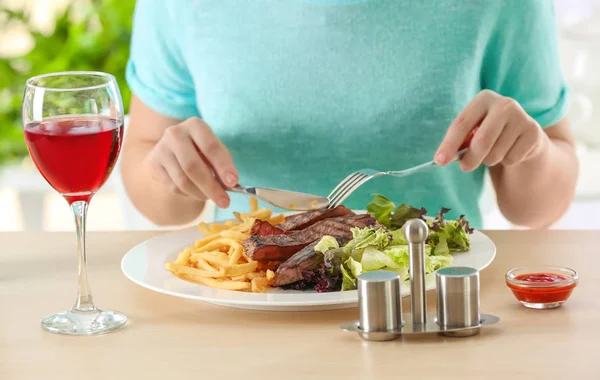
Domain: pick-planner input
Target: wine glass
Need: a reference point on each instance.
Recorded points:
(73, 124)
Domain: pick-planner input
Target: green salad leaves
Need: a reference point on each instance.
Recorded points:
(453, 233)
(390, 216)
(386, 248)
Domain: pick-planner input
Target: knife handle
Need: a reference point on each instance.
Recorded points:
(469, 137)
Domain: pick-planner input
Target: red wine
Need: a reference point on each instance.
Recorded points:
(75, 154)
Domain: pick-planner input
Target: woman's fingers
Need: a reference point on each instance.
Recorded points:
(193, 170)
(460, 128)
(180, 182)
(509, 135)
(191, 160)
(215, 152)
(485, 139)
(506, 134)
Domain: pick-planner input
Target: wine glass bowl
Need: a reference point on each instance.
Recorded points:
(73, 125)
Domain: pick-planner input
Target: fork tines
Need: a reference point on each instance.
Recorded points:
(345, 188)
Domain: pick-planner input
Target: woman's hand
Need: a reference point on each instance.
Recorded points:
(506, 135)
(188, 158)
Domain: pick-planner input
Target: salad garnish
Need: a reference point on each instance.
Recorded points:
(384, 247)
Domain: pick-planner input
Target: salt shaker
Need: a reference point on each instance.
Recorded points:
(380, 305)
(458, 300)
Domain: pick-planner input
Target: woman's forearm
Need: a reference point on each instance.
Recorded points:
(153, 199)
(537, 192)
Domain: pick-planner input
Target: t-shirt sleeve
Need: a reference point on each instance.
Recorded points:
(156, 71)
(522, 60)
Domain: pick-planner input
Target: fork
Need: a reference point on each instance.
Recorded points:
(345, 188)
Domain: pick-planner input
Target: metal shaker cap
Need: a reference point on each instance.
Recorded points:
(415, 231)
(380, 305)
(458, 300)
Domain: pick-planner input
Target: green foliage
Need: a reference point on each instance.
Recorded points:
(93, 35)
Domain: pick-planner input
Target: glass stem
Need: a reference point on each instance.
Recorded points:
(84, 294)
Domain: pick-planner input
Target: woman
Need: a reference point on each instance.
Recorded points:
(298, 94)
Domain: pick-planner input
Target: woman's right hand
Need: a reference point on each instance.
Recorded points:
(188, 158)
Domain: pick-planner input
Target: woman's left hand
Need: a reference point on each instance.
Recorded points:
(507, 135)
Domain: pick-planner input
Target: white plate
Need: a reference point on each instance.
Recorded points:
(145, 266)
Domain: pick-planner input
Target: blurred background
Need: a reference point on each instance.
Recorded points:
(40, 36)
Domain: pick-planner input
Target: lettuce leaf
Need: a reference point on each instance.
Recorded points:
(399, 254)
(348, 282)
(403, 214)
(403, 272)
(350, 269)
(398, 237)
(390, 216)
(381, 209)
(454, 232)
(354, 266)
(326, 243)
(367, 237)
(465, 224)
(435, 262)
(374, 259)
(456, 236)
(441, 247)
(333, 259)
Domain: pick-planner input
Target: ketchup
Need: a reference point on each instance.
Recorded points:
(538, 288)
(541, 277)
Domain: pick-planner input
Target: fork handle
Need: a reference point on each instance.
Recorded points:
(418, 168)
(460, 154)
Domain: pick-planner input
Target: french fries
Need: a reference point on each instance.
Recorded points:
(259, 284)
(253, 204)
(192, 272)
(219, 259)
(277, 219)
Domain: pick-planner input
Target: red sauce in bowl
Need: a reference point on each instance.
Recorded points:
(541, 289)
(541, 277)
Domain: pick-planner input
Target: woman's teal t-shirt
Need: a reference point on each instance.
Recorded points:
(305, 92)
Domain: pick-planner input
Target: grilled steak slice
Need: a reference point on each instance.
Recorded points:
(282, 247)
(306, 219)
(264, 228)
(306, 260)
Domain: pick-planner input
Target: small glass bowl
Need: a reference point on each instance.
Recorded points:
(542, 295)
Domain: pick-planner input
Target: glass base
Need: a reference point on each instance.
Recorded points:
(549, 305)
(89, 322)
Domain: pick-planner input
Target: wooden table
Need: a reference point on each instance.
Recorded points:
(171, 338)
